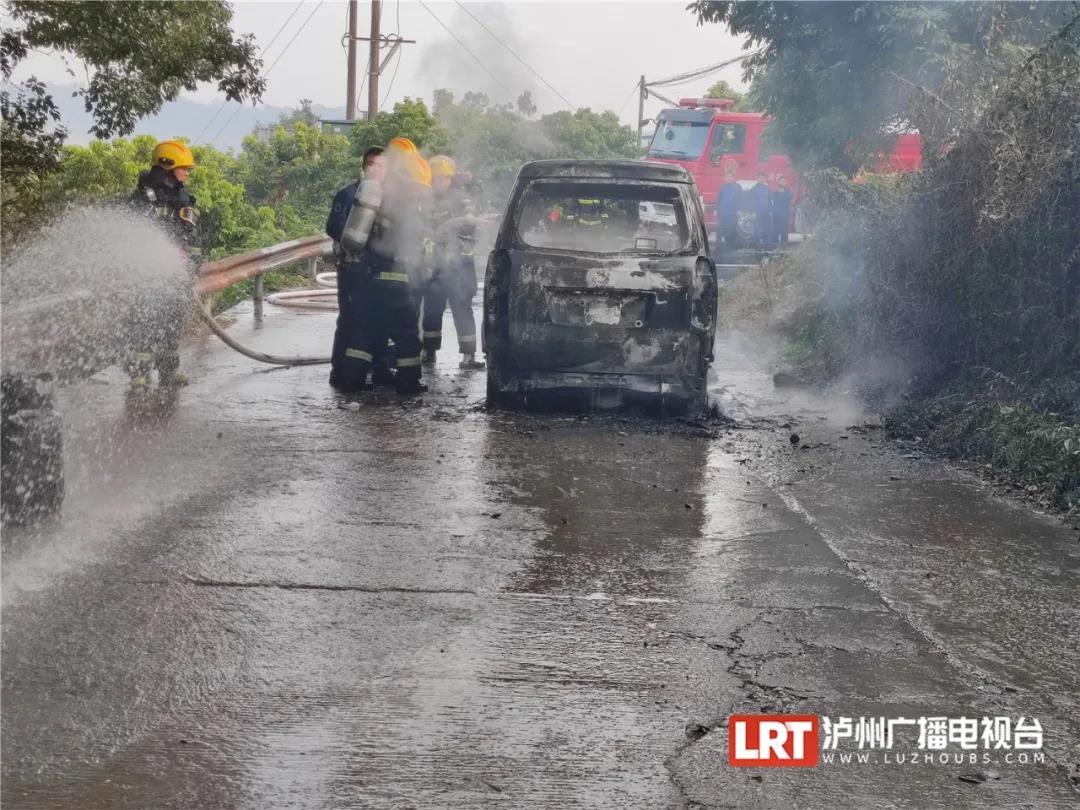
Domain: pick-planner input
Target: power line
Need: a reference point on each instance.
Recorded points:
(465, 48)
(282, 28)
(267, 71)
(630, 95)
(514, 54)
(291, 41)
(682, 78)
(263, 50)
(393, 76)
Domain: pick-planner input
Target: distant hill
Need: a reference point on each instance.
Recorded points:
(182, 118)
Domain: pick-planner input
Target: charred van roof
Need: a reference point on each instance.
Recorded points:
(605, 170)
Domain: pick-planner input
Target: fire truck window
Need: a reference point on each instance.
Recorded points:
(728, 139)
(683, 140)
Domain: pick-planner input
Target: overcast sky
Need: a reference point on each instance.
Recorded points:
(590, 52)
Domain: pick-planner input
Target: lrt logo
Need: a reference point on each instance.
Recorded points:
(773, 740)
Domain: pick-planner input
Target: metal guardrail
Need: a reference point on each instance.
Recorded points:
(217, 275)
(223, 273)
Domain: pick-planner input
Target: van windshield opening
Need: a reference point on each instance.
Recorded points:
(683, 140)
(602, 217)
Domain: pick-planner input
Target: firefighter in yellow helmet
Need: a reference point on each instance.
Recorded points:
(451, 236)
(154, 332)
(383, 268)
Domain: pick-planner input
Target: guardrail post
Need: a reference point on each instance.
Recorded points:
(313, 267)
(259, 289)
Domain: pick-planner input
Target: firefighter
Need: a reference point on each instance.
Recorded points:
(761, 201)
(781, 210)
(380, 276)
(589, 214)
(452, 266)
(374, 169)
(728, 200)
(154, 339)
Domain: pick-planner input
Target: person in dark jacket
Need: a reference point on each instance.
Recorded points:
(781, 210)
(761, 202)
(374, 168)
(154, 330)
(449, 245)
(728, 201)
(381, 277)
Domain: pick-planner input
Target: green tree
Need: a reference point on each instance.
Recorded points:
(721, 89)
(586, 134)
(525, 104)
(409, 119)
(840, 78)
(304, 114)
(137, 56)
(106, 172)
(295, 170)
(494, 141)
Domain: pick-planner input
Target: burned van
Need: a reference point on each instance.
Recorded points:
(599, 292)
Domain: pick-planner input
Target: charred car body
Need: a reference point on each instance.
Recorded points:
(599, 291)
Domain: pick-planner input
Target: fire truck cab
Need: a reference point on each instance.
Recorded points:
(707, 138)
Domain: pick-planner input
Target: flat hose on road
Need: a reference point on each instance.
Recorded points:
(302, 299)
(270, 359)
(305, 299)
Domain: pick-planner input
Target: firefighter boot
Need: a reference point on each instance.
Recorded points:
(138, 366)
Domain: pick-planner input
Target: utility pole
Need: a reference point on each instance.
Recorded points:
(350, 83)
(373, 60)
(376, 42)
(640, 110)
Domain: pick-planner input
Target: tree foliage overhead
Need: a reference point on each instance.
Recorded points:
(410, 118)
(295, 169)
(137, 56)
(492, 141)
(721, 89)
(839, 78)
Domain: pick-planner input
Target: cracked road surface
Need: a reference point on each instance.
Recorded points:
(262, 595)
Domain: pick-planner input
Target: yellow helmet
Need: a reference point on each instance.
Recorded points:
(413, 168)
(171, 155)
(422, 171)
(442, 166)
(400, 144)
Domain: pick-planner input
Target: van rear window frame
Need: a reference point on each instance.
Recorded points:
(674, 195)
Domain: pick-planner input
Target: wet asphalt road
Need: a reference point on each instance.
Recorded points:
(261, 595)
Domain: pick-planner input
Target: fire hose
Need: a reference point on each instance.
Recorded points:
(217, 275)
(262, 357)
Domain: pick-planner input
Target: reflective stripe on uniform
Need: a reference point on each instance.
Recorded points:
(358, 354)
(405, 362)
(467, 340)
(402, 277)
(433, 334)
(144, 357)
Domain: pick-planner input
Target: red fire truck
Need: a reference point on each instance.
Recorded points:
(706, 136)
